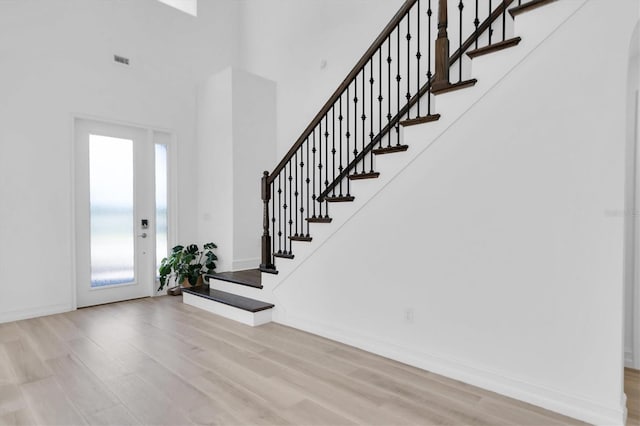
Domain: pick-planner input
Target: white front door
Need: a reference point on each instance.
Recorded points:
(121, 188)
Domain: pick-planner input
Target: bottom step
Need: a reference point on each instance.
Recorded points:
(238, 308)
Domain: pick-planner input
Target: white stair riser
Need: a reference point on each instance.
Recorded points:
(252, 319)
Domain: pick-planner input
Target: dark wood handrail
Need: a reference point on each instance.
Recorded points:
(395, 21)
(395, 120)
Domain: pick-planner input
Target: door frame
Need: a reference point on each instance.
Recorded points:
(635, 314)
(172, 185)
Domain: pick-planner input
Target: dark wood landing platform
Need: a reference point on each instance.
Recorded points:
(248, 277)
(495, 47)
(240, 302)
(529, 5)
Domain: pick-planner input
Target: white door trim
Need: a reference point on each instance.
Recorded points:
(172, 178)
(636, 218)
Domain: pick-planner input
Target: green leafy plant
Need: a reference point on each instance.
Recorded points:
(187, 263)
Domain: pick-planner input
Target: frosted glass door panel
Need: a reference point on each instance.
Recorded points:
(112, 213)
(162, 236)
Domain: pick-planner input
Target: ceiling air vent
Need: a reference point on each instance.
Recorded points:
(121, 59)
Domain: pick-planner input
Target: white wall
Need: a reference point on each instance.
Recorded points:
(215, 165)
(56, 59)
(632, 185)
(287, 40)
(236, 143)
(254, 151)
(504, 238)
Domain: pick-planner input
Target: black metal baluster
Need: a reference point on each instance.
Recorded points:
(333, 146)
(308, 181)
(295, 212)
(389, 60)
(320, 165)
(284, 208)
(280, 213)
(429, 71)
(380, 98)
(408, 62)
(364, 116)
(371, 135)
(460, 8)
(273, 217)
(313, 174)
(348, 135)
(340, 168)
(290, 208)
(476, 24)
(355, 122)
(302, 190)
(418, 57)
(398, 79)
(504, 20)
(326, 162)
(490, 23)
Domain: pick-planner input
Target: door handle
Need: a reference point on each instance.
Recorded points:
(143, 235)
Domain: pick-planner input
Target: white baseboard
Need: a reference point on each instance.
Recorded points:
(252, 319)
(242, 264)
(34, 312)
(550, 399)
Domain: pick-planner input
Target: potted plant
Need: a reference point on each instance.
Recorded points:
(185, 266)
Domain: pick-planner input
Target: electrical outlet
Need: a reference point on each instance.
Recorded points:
(408, 315)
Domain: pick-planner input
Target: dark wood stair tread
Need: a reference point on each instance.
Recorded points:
(455, 86)
(300, 238)
(495, 47)
(248, 277)
(390, 149)
(530, 5)
(420, 120)
(359, 176)
(319, 219)
(284, 255)
(240, 302)
(338, 199)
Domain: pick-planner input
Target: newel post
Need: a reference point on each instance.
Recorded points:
(442, 50)
(266, 264)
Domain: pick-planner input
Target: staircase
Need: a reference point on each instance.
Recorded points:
(391, 93)
(444, 209)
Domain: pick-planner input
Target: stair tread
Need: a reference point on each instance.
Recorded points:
(248, 277)
(369, 175)
(390, 149)
(284, 255)
(319, 219)
(455, 86)
(530, 5)
(344, 198)
(240, 302)
(300, 238)
(420, 120)
(495, 47)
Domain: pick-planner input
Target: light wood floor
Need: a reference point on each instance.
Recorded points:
(157, 361)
